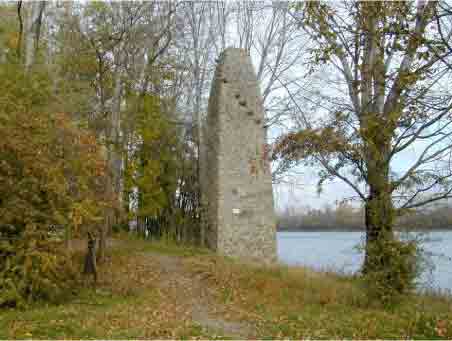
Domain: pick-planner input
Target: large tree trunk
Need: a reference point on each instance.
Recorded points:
(379, 218)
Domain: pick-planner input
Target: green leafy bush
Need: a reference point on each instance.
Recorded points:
(393, 269)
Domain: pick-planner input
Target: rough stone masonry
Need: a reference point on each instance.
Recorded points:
(236, 182)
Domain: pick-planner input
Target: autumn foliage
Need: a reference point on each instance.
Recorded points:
(52, 176)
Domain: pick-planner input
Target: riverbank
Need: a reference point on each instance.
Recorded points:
(156, 290)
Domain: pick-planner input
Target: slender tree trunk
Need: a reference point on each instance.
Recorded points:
(21, 29)
(126, 189)
(33, 31)
(115, 124)
(103, 239)
(105, 229)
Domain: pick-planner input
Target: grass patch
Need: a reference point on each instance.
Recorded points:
(126, 303)
(294, 302)
(276, 302)
(130, 242)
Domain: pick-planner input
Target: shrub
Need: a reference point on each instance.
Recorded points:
(393, 269)
(52, 175)
(35, 269)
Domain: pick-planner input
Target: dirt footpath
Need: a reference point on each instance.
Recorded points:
(186, 289)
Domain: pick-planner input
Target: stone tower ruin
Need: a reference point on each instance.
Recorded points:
(236, 181)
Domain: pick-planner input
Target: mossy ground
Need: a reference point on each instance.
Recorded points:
(159, 290)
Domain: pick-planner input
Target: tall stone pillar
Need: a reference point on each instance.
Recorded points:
(236, 180)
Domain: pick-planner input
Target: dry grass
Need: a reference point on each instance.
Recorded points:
(291, 302)
(127, 302)
(135, 300)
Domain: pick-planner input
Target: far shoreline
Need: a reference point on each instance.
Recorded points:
(362, 230)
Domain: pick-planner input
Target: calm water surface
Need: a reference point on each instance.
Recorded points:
(339, 251)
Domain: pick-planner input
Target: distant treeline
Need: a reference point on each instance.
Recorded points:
(345, 217)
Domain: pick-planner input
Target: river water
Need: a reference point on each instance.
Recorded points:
(340, 251)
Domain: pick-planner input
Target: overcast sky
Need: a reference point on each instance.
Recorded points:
(300, 189)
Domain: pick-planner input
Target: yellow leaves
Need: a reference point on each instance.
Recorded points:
(62, 168)
(76, 215)
(85, 212)
(13, 40)
(441, 328)
(49, 174)
(76, 219)
(407, 79)
(309, 142)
